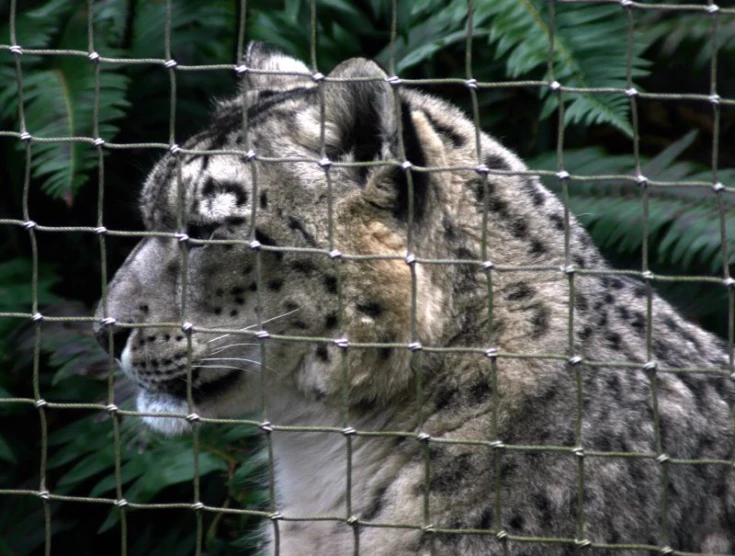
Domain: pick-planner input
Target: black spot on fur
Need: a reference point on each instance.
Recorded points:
(585, 239)
(305, 266)
(479, 186)
(233, 313)
(295, 225)
(497, 205)
(370, 308)
(585, 333)
(322, 353)
(516, 523)
(579, 261)
(557, 221)
(486, 519)
(613, 384)
(519, 228)
(253, 286)
(537, 247)
(480, 391)
(290, 306)
(640, 290)
(237, 290)
(638, 323)
(449, 132)
(330, 282)
(507, 468)
(376, 505)
(331, 320)
(217, 310)
(448, 476)
(450, 231)
(581, 302)
(613, 338)
(533, 191)
(518, 291)
(420, 180)
(496, 162)
(540, 321)
(543, 505)
(264, 199)
(300, 324)
(444, 397)
(275, 285)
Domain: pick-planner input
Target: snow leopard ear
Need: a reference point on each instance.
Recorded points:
(360, 112)
(259, 56)
(363, 114)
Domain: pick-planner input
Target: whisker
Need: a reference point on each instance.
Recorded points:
(229, 359)
(271, 369)
(225, 367)
(256, 324)
(222, 348)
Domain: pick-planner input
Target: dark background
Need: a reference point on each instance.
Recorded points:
(671, 53)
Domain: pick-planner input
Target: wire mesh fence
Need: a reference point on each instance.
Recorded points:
(33, 145)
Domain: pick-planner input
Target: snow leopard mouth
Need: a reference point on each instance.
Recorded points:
(166, 410)
(201, 391)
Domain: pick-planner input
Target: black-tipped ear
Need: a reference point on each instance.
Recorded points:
(260, 57)
(364, 115)
(360, 111)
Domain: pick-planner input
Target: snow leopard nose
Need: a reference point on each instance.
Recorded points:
(119, 339)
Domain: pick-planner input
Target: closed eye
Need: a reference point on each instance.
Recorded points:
(200, 231)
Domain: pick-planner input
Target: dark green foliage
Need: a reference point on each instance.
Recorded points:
(510, 42)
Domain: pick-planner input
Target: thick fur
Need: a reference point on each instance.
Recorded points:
(534, 400)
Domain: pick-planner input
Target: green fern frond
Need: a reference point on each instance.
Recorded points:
(35, 27)
(590, 51)
(683, 224)
(59, 102)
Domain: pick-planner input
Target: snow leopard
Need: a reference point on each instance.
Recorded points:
(348, 254)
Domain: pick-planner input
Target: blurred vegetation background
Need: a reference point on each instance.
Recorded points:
(671, 53)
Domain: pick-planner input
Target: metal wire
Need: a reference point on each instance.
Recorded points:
(494, 358)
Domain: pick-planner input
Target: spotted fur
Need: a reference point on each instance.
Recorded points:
(473, 486)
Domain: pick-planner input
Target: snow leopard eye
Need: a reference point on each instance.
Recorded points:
(200, 231)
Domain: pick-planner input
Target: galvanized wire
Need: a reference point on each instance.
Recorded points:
(578, 365)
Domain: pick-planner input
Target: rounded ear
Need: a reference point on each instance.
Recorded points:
(360, 108)
(260, 57)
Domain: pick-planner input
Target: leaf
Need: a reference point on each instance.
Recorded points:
(6, 452)
(35, 27)
(166, 469)
(93, 464)
(588, 53)
(60, 103)
(683, 225)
